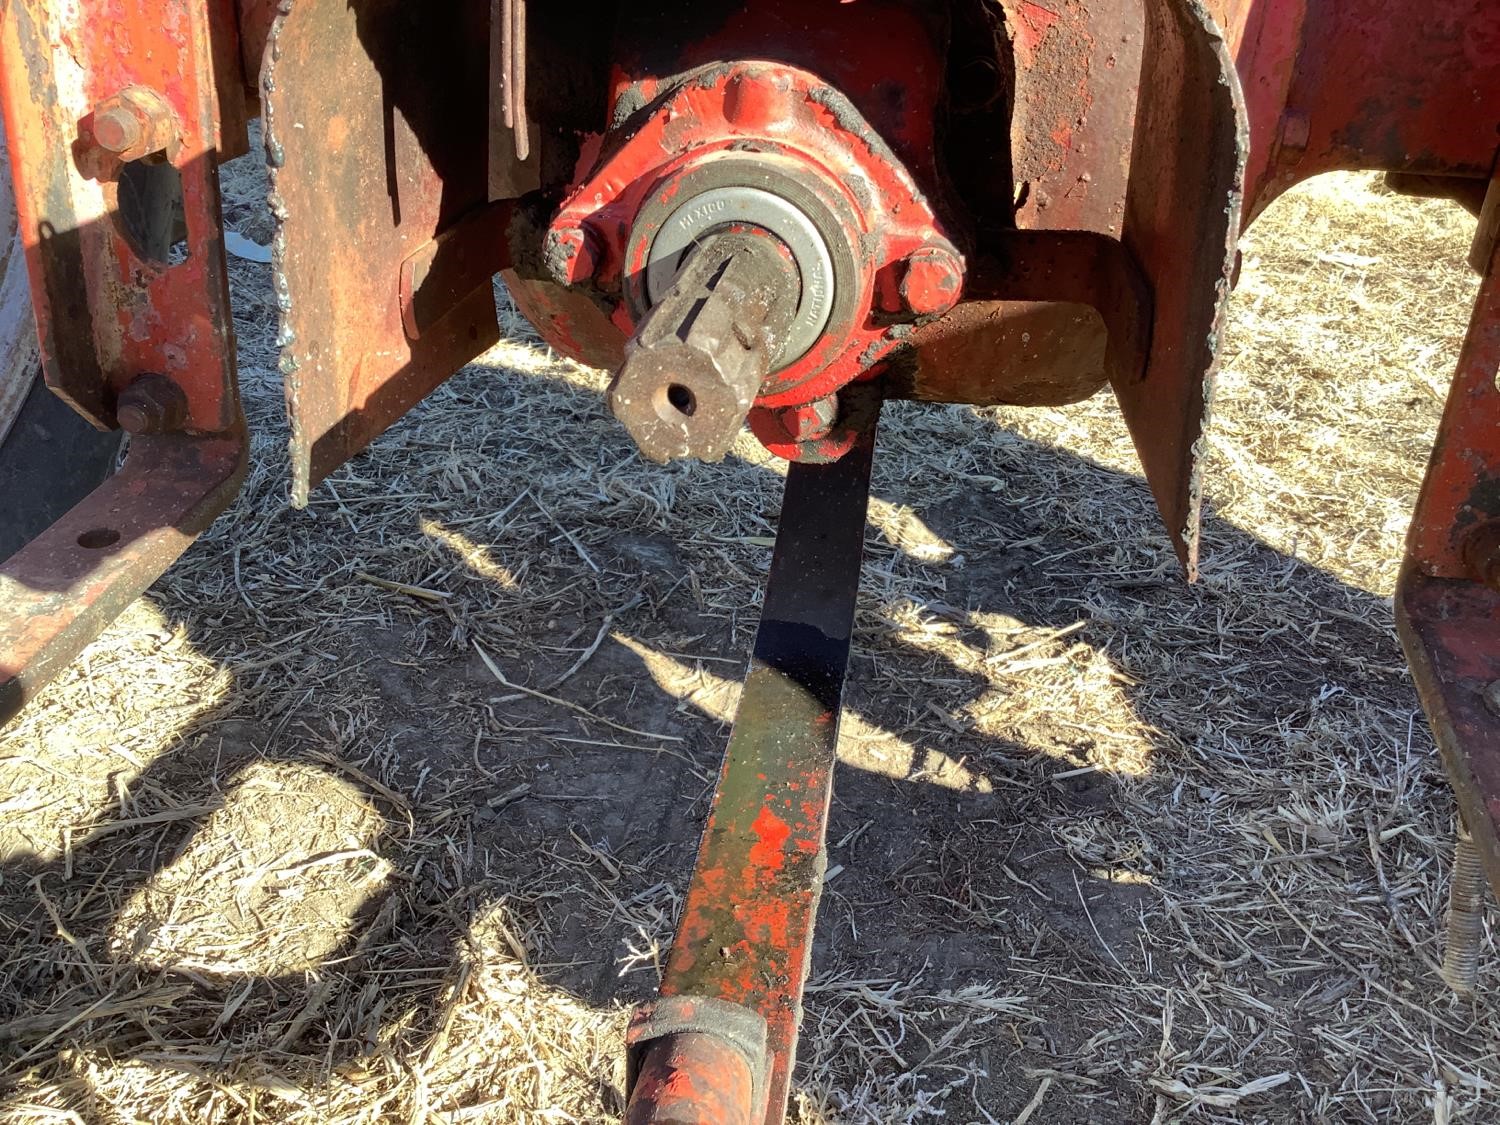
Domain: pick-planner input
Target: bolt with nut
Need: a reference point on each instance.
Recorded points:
(810, 421)
(152, 404)
(134, 123)
(573, 254)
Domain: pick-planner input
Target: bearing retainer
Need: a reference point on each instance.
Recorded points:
(765, 145)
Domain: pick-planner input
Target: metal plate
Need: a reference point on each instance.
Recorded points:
(1182, 220)
(371, 159)
(66, 585)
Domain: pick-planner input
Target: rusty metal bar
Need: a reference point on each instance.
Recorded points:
(60, 590)
(745, 935)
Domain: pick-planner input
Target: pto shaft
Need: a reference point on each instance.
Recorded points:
(697, 360)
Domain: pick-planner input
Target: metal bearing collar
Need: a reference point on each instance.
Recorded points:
(718, 207)
(813, 219)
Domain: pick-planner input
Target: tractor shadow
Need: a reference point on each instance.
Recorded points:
(968, 846)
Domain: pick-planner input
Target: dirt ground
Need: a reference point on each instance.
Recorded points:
(280, 846)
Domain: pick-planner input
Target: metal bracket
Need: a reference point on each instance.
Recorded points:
(60, 590)
(1182, 221)
(370, 171)
(116, 118)
(745, 935)
(1447, 612)
(109, 307)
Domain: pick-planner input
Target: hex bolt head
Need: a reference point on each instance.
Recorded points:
(152, 404)
(932, 281)
(117, 129)
(134, 123)
(810, 421)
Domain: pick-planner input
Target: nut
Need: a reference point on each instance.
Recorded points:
(134, 123)
(1293, 132)
(152, 404)
(810, 421)
(932, 281)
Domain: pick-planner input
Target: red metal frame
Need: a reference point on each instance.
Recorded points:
(107, 313)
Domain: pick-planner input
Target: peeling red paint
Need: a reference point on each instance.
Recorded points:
(771, 834)
(1033, 25)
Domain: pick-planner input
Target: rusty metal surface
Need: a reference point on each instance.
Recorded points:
(106, 310)
(254, 18)
(1076, 66)
(367, 169)
(695, 1058)
(1450, 629)
(1049, 317)
(1376, 84)
(1448, 599)
(1181, 225)
(60, 590)
(694, 1077)
(115, 118)
(1461, 491)
(441, 273)
(745, 935)
(1005, 353)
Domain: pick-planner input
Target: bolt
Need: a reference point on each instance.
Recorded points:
(1465, 915)
(1482, 553)
(810, 421)
(134, 123)
(932, 281)
(1293, 133)
(152, 404)
(573, 254)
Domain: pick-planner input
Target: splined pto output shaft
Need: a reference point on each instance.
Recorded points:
(696, 363)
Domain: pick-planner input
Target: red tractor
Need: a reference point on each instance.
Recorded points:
(779, 212)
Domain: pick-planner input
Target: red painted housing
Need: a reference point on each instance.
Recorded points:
(767, 120)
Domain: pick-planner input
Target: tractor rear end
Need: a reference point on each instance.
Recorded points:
(778, 214)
